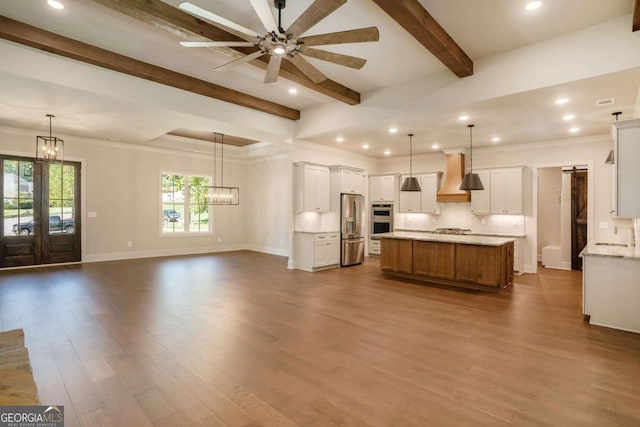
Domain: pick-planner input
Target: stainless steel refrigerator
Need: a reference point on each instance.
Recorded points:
(351, 229)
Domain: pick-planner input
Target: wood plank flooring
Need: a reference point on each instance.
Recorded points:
(236, 339)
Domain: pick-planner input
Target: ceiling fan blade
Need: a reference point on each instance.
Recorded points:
(219, 21)
(336, 58)
(369, 34)
(239, 61)
(263, 10)
(307, 69)
(217, 44)
(318, 10)
(273, 69)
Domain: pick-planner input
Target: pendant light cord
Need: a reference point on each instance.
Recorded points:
(470, 147)
(411, 155)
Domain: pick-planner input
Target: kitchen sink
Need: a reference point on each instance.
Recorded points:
(622, 245)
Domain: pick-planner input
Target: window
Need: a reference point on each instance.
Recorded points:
(183, 208)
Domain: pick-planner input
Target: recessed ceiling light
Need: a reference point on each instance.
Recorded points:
(562, 101)
(533, 5)
(339, 139)
(387, 152)
(55, 4)
(393, 130)
(495, 139)
(568, 117)
(435, 146)
(463, 118)
(574, 130)
(293, 91)
(365, 146)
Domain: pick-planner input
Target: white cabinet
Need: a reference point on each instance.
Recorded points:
(506, 191)
(410, 201)
(481, 199)
(347, 180)
(382, 188)
(423, 201)
(627, 172)
(312, 184)
(316, 251)
(430, 184)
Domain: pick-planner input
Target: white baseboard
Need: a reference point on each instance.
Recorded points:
(116, 256)
(268, 250)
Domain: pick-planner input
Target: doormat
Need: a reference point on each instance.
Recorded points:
(17, 386)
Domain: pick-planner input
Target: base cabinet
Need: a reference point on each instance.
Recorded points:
(434, 259)
(396, 255)
(474, 266)
(482, 264)
(317, 251)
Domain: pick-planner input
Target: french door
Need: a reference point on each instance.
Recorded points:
(41, 212)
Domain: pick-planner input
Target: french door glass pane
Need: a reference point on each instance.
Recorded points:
(18, 197)
(61, 198)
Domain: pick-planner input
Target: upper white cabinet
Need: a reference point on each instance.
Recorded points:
(382, 188)
(626, 136)
(410, 201)
(430, 184)
(423, 201)
(312, 184)
(348, 180)
(506, 191)
(481, 199)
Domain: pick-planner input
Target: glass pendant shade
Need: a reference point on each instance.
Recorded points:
(471, 181)
(411, 182)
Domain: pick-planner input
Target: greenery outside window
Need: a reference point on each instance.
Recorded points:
(183, 210)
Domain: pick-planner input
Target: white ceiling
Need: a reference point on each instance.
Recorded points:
(481, 28)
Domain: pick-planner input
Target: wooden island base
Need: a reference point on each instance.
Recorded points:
(468, 265)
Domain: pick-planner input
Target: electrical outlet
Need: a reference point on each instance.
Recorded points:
(219, 239)
(129, 244)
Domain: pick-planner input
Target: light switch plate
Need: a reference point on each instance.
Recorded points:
(604, 225)
(92, 214)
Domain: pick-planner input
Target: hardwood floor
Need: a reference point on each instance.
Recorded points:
(237, 339)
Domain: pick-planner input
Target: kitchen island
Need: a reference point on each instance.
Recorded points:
(610, 287)
(477, 262)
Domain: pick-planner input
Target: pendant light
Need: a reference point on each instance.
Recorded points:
(218, 194)
(611, 157)
(49, 148)
(411, 183)
(471, 181)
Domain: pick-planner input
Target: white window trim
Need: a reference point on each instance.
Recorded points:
(187, 213)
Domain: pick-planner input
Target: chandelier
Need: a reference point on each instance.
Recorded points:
(218, 194)
(49, 148)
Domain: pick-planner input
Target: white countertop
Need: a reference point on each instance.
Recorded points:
(632, 252)
(470, 233)
(448, 238)
(316, 232)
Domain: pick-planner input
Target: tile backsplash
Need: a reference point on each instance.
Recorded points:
(458, 215)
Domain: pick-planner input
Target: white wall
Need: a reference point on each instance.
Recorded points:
(549, 192)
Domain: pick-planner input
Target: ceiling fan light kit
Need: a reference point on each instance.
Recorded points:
(287, 44)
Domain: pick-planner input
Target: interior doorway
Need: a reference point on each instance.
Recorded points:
(562, 215)
(41, 212)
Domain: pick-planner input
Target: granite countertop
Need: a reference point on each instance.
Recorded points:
(448, 238)
(470, 233)
(628, 252)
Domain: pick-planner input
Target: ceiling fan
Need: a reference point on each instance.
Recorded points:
(289, 44)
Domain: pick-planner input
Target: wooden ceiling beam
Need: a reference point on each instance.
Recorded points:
(417, 21)
(636, 15)
(189, 28)
(28, 35)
